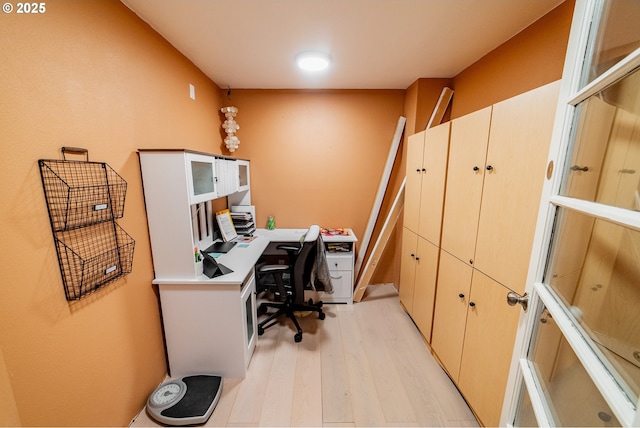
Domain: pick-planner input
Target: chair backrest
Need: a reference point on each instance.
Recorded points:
(305, 261)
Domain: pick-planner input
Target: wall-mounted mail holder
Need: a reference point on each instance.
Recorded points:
(84, 199)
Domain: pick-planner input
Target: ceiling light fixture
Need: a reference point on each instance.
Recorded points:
(313, 61)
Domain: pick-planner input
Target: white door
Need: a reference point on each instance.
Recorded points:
(577, 356)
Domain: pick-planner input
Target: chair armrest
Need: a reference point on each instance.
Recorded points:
(288, 247)
(273, 268)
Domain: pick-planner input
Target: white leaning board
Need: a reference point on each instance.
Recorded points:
(397, 137)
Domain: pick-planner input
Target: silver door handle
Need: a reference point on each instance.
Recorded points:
(514, 298)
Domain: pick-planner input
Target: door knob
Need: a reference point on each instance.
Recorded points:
(514, 298)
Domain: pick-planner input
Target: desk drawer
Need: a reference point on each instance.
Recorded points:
(340, 262)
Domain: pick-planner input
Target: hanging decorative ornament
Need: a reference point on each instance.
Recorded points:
(231, 127)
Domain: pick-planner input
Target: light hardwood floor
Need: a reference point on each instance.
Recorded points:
(365, 364)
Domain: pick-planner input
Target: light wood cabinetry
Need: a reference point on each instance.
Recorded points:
(488, 343)
(515, 134)
(434, 161)
(424, 293)
(413, 186)
(427, 154)
(514, 174)
(473, 335)
(494, 171)
(408, 268)
(450, 318)
(465, 178)
(426, 173)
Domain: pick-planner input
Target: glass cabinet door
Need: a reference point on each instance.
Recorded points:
(578, 363)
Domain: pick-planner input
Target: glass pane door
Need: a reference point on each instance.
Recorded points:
(579, 363)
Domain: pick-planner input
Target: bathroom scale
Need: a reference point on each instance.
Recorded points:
(188, 400)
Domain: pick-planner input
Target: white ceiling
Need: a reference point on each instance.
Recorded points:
(374, 44)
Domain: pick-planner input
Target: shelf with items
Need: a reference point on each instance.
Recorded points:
(340, 253)
(244, 219)
(244, 223)
(83, 200)
(181, 218)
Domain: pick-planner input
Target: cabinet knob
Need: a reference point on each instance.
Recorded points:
(417, 258)
(472, 304)
(579, 168)
(424, 169)
(413, 256)
(489, 168)
(470, 261)
(475, 168)
(461, 296)
(418, 170)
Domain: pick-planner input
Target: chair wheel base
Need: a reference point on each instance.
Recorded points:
(298, 337)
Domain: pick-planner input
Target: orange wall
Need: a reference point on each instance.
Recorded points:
(87, 74)
(316, 156)
(532, 58)
(91, 74)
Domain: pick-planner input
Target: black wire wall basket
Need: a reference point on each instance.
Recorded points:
(81, 193)
(92, 257)
(84, 199)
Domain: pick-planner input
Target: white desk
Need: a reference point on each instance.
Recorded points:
(210, 323)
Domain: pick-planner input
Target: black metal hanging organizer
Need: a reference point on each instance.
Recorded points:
(84, 199)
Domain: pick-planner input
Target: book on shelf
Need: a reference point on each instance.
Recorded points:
(227, 229)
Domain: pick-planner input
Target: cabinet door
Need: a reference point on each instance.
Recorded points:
(452, 298)
(519, 141)
(436, 151)
(408, 268)
(488, 343)
(465, 175)
(425, 286)
(415, 147)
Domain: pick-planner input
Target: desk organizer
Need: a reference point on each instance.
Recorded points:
(84, 199)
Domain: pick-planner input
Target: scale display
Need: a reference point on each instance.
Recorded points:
(188, 400)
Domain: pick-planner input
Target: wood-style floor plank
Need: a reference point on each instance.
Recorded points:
(336, 397)
(377, 337)
(365, 364)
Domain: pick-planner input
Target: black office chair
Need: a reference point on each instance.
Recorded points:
(288, 282)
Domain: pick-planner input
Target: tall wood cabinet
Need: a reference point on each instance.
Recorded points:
(494, 175)
(426, 173)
